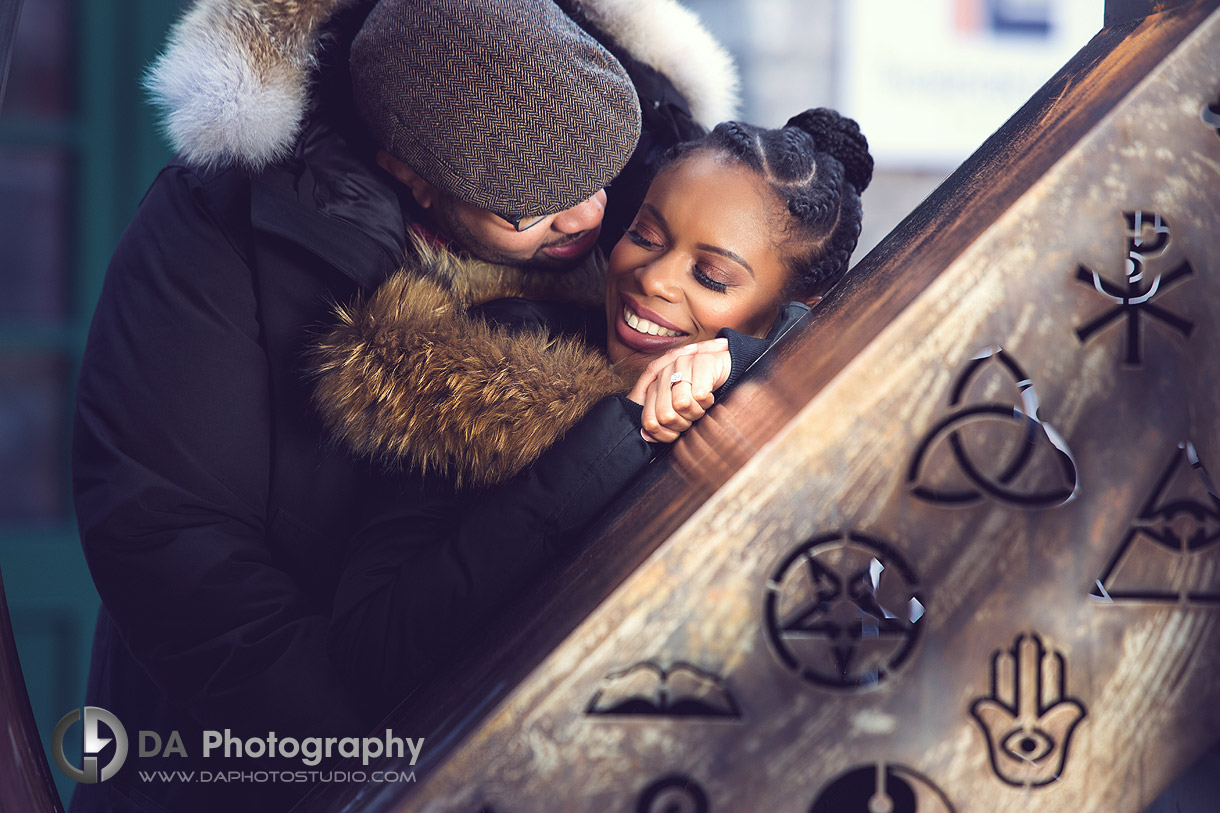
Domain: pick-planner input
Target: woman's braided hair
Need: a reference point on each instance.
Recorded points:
(817, 164)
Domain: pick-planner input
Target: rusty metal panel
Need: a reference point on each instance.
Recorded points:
(978, 570)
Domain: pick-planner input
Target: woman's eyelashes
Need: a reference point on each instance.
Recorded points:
(636, 235)
(707, 282)
(644, 238)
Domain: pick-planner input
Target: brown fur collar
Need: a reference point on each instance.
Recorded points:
(408, 379)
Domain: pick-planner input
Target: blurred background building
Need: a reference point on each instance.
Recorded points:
(77, 149)
(928, 82)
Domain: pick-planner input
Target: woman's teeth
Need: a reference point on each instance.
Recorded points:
(644, 326)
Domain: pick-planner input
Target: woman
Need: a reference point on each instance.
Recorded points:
(515, 401)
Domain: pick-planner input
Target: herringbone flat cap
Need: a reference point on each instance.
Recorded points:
(506, 104)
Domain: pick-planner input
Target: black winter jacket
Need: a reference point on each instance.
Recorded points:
(211, 512)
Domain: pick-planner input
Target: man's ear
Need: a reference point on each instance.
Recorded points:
(813, 300)
(424, 193)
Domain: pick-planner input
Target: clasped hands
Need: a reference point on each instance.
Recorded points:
(696, 371)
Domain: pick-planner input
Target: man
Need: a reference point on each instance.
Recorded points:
(212, 509)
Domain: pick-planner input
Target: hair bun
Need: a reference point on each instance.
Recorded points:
(840, 137)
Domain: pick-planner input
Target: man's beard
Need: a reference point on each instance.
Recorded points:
(459, 234)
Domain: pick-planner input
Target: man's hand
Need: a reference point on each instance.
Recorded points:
(676, 389)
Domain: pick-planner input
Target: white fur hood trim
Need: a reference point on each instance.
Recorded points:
(233, 82)
(670, 38)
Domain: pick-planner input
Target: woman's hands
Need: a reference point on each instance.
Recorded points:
(671, 408)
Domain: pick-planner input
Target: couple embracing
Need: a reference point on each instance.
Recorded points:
(304, 466)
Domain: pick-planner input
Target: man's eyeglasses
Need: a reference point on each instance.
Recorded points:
(523, 223)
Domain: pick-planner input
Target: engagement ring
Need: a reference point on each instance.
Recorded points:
(675, 378)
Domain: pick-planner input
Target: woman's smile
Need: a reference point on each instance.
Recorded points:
(698, 257)
(643, 331)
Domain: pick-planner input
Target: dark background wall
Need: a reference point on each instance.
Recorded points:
(77, 149)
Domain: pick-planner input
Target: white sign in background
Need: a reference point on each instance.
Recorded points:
(930, 80)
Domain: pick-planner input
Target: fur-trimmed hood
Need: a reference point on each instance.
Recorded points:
(410, 380)
(233, 84)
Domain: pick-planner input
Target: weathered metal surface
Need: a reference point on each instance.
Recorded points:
(1064, 571)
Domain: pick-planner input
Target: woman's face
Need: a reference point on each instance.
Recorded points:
(701, 255)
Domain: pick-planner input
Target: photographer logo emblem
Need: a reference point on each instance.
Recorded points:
(93, 719)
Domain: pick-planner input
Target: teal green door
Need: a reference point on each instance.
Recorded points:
(77, 148)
